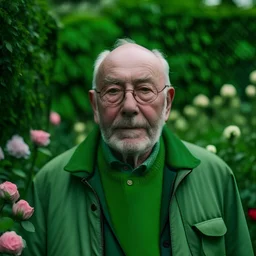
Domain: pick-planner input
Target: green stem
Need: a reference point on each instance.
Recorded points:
(2, 204)
(31, 171)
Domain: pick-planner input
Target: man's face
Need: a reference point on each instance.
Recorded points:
(131, 128)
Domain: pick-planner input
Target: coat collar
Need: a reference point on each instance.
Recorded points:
(82, 161)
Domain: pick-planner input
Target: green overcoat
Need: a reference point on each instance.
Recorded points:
(205, 211)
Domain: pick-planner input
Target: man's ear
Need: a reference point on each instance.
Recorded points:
(92, 97)
(169, 97)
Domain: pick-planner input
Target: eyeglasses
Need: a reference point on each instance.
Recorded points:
(115, 94)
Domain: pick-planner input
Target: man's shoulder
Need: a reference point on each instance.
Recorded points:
(209, 161)
(56, 165)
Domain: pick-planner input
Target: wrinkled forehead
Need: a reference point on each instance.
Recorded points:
(131, 57)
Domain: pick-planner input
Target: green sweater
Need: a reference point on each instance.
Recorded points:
(134, 205)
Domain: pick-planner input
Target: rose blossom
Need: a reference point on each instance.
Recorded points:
(231, 131)
(252, 213)
(253, 76)
(55, 118)
(39, 137)
(22, 210)
(201, 101)
(1, 154)
(11, 243)
(9, 191)
(17, 147)
(211, 148)
(228, 91)
(250, 91)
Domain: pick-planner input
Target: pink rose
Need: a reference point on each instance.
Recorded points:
(39, 137)
(22, 210)
(9, 191)
(11, 243)
(17, 147)
(55, 118)
(1, 154)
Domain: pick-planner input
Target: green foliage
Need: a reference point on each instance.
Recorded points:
(205, 48)
(80, 40)
(27, 45)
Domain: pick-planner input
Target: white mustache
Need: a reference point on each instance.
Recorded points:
(129, 124)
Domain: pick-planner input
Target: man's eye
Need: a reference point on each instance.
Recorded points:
(144, 89)
(113, 91)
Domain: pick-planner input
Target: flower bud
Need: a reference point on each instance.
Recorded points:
(22, 210)
(39, 137)
(211, 148)
(9, 191)
(55, 118)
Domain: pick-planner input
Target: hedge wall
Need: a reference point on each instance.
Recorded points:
(205, 49)
(28, 47)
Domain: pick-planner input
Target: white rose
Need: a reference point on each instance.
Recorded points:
(228, 91)
(250, 91)
(201, 101)
(211, 148)
(217, 101)
(231, 131)
(79, 127)
(174, 115)
(190, 111)
(181, 124)
(253, 76)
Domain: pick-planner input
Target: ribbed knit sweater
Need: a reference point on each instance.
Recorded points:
(134, 205)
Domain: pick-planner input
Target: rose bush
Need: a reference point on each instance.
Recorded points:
(10, 241)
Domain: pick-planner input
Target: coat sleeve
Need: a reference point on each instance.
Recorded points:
(36, 242)
(238, 241)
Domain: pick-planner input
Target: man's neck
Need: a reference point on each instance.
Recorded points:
(132, 159)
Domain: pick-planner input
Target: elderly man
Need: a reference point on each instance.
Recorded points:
(132, 187)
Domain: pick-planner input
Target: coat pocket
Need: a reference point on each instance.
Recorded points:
(212, 234)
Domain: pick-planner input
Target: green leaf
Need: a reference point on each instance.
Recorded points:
(6, 223)
(19, 173)
(8, 46)
(45, 151)
(28, 226)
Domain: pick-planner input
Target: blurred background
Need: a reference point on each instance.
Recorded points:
(47, 53)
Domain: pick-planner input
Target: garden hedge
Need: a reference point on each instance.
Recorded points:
(28, 48)
(205, 49)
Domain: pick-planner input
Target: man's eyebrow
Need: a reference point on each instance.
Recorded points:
(146, 79)
(111, 80)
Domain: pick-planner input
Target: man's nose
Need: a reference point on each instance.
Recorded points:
(129, 104)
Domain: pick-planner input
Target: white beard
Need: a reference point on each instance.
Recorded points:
(132, 147)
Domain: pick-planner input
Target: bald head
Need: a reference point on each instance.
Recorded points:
(127, 54)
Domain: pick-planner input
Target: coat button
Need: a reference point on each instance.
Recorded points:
(166, 244)
(93, 207)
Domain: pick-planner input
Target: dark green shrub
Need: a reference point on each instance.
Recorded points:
(205, 49)
(28, 46)
(80, 41)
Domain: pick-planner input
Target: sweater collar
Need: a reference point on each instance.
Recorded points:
(82, 162)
